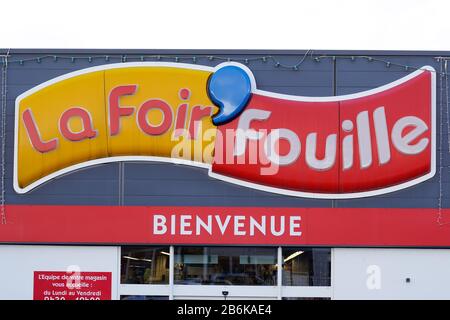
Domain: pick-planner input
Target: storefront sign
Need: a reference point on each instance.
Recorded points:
(358, 145)
(227, 226)
(59, 285)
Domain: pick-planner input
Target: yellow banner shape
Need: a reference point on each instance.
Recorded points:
(127, 111)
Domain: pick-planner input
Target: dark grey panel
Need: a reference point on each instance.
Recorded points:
(147, 182)
(378, 202)
(167, 184)
(98, 185)
(286, 202)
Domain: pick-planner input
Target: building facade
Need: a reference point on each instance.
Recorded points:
(160, 174)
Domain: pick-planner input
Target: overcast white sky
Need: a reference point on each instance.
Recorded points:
(227, 24)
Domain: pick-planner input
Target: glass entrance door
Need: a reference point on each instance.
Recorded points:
(224, 272)
(225, 266)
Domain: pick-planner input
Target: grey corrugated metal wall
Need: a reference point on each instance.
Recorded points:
(168, 184)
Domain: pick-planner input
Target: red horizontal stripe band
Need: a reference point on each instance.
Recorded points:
(226, 225)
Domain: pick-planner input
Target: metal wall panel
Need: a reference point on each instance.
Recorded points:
(168, 184)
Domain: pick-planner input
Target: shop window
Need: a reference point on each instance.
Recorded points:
(145, 265)
(225, 266)
(306, 267)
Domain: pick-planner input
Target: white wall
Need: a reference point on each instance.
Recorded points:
(17, 264)
(381, 273)
(352, 270)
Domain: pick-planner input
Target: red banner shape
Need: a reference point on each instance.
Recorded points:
(226, 226)
(357, 145)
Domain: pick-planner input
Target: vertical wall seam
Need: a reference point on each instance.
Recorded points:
(121, 182)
